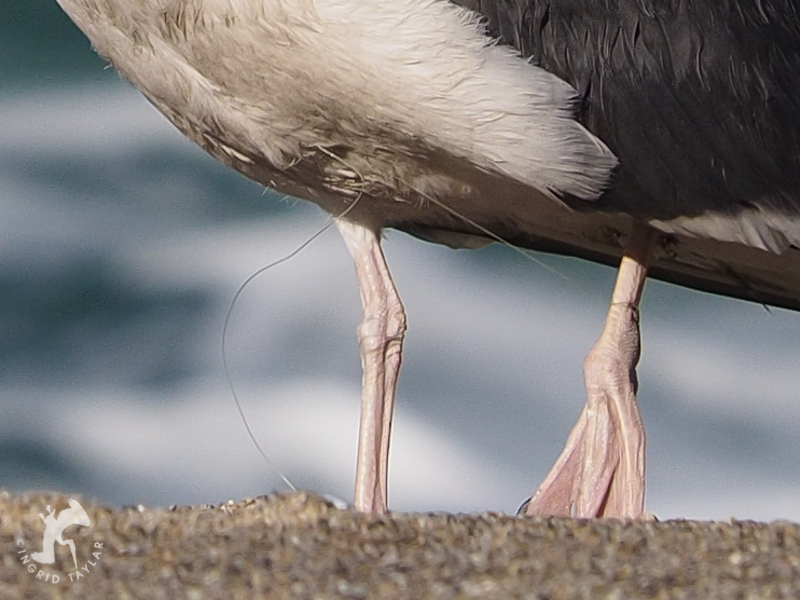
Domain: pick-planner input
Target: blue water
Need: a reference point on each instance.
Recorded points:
(121, 246)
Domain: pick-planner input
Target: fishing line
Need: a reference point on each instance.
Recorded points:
(502, 241)
(238, 293)
(488, 233)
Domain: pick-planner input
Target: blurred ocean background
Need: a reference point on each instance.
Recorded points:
(122, 245)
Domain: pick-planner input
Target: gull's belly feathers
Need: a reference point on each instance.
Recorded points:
(401, 102)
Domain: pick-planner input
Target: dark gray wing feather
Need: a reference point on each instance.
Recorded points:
(700, 101)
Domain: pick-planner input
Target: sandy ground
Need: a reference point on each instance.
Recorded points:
(301, 546)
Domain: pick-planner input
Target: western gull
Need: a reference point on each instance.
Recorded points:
(409, 114)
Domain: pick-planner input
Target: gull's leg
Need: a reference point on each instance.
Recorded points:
(600, 472)
(380, 338)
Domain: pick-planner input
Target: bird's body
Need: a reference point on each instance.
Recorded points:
(385, 113)
(328, 99)
(699, 101)
(195, 61)
(403, 113)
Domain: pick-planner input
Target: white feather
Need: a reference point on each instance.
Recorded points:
(271, 79)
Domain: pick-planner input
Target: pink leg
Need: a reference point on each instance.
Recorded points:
(380, 338)
(600, 472)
